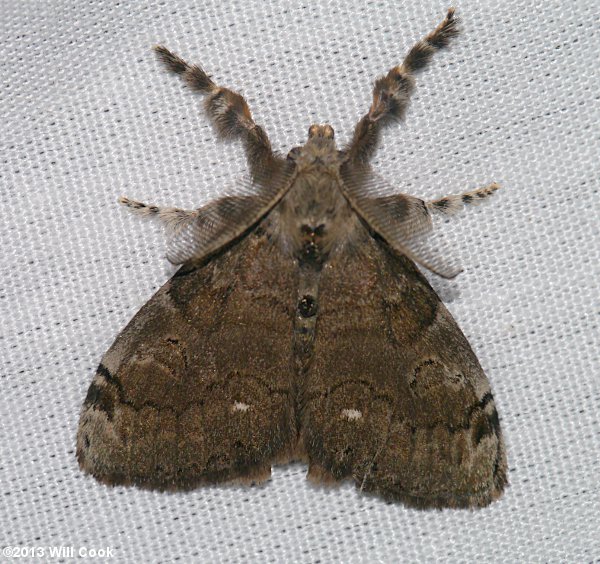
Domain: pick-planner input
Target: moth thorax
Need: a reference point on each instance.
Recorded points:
(311, 243)
(319, 151)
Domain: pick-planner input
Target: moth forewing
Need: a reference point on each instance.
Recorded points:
(298, 328)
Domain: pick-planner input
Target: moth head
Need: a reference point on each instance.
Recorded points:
(320, 131)
(319, 148)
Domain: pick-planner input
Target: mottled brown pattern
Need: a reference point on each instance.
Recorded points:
(298, 327)
(388, 348)
(161, 410)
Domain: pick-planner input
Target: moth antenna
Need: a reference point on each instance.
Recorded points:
(171, 218)
(449, 205)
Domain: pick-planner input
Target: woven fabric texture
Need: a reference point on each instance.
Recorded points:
(89, 115)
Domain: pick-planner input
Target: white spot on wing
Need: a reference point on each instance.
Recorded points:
(351, 414)
(240, 406)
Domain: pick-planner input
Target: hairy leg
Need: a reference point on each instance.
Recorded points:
(391, 94)
(449, 205)
(228, 111)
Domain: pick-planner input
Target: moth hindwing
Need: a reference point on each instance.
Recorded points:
(299, 328)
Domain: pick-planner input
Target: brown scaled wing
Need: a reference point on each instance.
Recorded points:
(395, 397)
(197, 388)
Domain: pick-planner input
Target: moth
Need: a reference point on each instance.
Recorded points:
(298, 327)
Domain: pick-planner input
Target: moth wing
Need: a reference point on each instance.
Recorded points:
(402, 220)
(218, 223)
(395, 397)
(197, 388)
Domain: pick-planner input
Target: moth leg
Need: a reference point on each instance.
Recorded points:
(172, 218)
(396, 206)
(391, 94)
(228, 111)
(175, 218)
(449, 205)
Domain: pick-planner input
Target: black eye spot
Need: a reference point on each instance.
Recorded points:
(307, 306)
(319, 230)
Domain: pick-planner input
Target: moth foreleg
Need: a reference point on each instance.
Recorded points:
(392, 92)
(171, 218)
(449, 205)
(228, 112)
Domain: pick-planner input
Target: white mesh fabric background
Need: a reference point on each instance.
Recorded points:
(88, 115)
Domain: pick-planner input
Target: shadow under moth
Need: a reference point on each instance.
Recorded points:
(299, 328)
